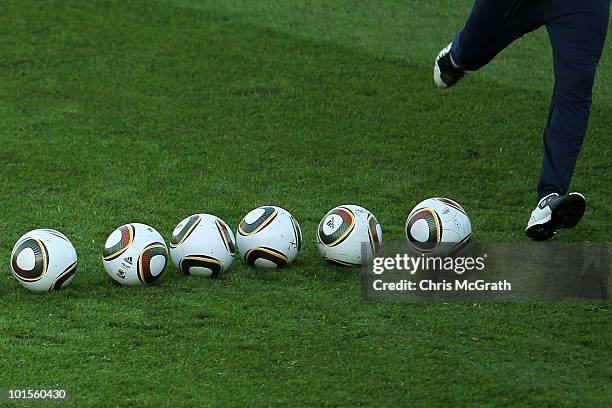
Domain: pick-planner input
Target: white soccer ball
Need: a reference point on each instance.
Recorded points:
(202, 245)
(341, 234)
(135, 254)
(43, 260)
(438, 226)
(269, 237)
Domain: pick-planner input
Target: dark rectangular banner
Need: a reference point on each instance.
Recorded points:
(490, 272)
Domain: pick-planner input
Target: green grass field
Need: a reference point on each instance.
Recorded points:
(148, 111)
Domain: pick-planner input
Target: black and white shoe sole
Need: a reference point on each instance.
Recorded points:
(567, 213)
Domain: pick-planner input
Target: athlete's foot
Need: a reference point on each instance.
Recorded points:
(446, 72)
(553, 213)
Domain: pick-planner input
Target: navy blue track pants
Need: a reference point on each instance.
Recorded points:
(577, 30)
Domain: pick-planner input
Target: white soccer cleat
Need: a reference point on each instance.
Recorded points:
(446, 72)
(553, 213)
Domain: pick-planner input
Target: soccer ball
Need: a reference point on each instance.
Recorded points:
(269, 237)
(43, 260)
(341, 234)
(135, 254)
(438, 225)
(202, 245)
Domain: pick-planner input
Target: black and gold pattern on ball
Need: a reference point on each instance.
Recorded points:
(458, 247)
(373, 233)
(266, 218)
(41, 260)
(200, 261)
(55, 233)
(340, 232)
(64, 277)
(226, 236)
(144, 262)
(298, 233)
(266, 253)
(434, 229)
(127, 237)
(451, 203)
(180, 237)
(340, 263)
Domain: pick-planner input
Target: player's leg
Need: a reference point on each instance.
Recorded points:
(491, 27)
(577, 37)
